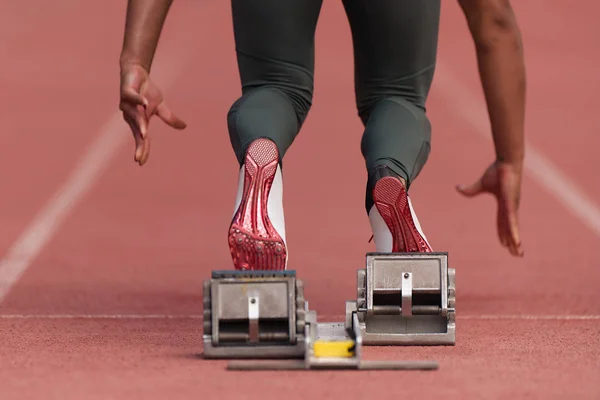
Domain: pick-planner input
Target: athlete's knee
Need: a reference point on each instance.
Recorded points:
(265, 112)
(298, 95)
(397, 114)
(398, 135)
(270, 101)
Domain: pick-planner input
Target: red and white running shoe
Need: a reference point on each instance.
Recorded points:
(393, 220)
(257, 231)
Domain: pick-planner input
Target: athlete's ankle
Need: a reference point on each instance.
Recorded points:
(375, 174)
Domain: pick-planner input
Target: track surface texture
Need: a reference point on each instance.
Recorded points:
(102, 262)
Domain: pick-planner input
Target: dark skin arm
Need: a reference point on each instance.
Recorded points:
(140, 97)
(501, 63)
(143, 26)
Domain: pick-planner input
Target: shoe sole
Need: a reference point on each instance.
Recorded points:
(389, 196)
(253, 241)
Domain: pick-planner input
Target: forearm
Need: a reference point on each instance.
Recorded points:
(503, 79)
(143, 26)
(502, 70)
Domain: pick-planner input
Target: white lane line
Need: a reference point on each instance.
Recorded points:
(459, 98)
(100, 316)
(541, 317)
(89, 168)
(533, 317)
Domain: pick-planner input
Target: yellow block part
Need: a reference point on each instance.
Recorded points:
(341, 348)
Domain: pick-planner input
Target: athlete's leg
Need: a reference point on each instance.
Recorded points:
(274, 42)
(395, 47)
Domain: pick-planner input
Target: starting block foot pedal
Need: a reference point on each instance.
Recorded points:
(404, 299)
(254, 314)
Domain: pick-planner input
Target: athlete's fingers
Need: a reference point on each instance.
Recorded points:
(514, 234)
(514, 248)
(471, 190)
(132, 97)
(142, 121)
(501, 227)
(145, 151)
(136, 115)
(508, 229)
(139, 142)
(165, 113)
(509, 203)
(502, 235)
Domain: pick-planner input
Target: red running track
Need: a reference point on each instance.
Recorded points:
(84, 318)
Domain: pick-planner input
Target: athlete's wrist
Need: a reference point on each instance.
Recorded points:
(129, 61)
(515, 165)
(514, 155)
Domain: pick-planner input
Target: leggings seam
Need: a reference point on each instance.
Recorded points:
(405, 77)
(391, 98)
(288, 64)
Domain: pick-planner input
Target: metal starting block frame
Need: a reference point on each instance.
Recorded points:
(405, 299)
(254, 314)
(402, 299)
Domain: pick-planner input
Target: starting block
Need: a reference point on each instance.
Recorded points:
(405, 299)
(254, 314)
(402, 299)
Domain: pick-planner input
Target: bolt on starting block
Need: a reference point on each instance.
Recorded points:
(402, 299)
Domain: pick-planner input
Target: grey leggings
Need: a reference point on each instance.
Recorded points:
(395, 47)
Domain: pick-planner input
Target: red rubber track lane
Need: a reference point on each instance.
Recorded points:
(143, 239)
(57, 91)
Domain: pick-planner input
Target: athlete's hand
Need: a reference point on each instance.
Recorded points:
(503, 181)
(140, 100)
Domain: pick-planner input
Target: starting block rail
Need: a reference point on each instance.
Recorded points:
(402, 299)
